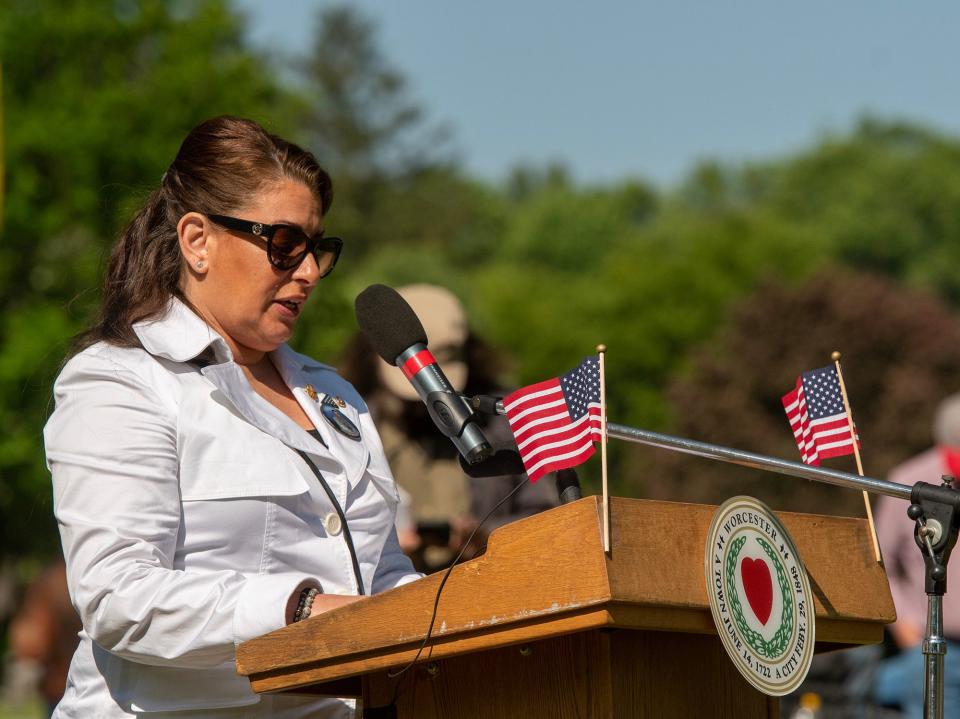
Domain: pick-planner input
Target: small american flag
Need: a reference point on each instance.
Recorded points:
(817, 416)
(557, 421)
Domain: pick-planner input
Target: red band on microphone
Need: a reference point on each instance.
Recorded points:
(421, 359)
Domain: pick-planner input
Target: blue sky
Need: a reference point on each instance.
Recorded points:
(617, 88)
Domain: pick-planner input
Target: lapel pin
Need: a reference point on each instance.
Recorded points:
(337, 419)
(340, 402)
(311, 392)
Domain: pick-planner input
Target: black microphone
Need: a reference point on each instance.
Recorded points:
(568, 486)
(396, 334)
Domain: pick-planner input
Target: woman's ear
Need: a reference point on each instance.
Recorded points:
(193, 233)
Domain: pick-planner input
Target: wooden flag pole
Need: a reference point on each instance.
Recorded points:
(605, 504)
(835, 356)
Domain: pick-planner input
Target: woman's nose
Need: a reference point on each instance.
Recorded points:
(307, 271)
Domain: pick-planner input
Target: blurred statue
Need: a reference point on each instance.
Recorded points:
(899, 680)
(444, 504)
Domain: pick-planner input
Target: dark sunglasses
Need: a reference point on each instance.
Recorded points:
(288, 245)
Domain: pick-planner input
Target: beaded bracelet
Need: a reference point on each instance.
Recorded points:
(305, 605)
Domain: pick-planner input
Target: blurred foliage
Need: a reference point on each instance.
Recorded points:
(95, 107)
(901, 354)
(722, 289)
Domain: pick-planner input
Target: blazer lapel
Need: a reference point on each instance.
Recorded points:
(229, 379)
(180, 335)
(353, 454)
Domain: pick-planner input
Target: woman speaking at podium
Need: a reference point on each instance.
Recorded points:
(210, 483)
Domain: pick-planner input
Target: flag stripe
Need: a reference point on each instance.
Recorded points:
(534, 391)
(570, 436)
(539, 410)
(553, 466)
(557, 428)
(556, 459)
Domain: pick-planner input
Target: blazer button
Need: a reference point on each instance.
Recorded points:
(332, 523)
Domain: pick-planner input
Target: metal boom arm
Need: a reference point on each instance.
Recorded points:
(757, 461)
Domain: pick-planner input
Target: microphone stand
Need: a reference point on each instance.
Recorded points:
(934, 509)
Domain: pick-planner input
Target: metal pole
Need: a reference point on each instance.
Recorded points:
(758, 461)
(934, 651)
(494, 405)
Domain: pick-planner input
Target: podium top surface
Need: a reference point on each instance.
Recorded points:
(548, 575)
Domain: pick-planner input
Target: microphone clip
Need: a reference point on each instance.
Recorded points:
(451, 412)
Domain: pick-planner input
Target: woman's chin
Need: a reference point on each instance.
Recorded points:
(279, 334)
(268, 339)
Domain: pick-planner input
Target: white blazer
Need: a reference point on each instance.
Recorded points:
(188, 519)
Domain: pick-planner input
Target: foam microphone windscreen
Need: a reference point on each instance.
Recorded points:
(388, 322)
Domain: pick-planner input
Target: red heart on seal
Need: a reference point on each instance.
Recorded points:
(758, 587)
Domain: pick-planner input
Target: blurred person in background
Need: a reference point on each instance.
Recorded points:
(43, 632)
(445, 505)
(899, 679)
(210, 483)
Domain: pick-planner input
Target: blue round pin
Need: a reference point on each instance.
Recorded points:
(338, 420)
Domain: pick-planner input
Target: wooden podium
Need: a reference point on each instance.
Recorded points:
(545, 624)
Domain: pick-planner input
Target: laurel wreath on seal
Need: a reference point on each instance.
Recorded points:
(779, 642)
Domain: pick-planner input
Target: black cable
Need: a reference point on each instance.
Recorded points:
(446, 575)
(343, 519)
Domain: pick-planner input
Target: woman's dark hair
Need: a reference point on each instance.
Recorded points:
(221, 166)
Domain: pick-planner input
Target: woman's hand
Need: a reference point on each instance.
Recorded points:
(325, 602)
(321, 603)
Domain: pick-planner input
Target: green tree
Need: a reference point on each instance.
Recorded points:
(575, 229)
(882, 199)
(98, 96)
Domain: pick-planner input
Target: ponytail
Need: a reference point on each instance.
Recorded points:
(142, 274)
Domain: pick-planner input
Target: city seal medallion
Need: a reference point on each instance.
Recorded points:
(759, 596)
